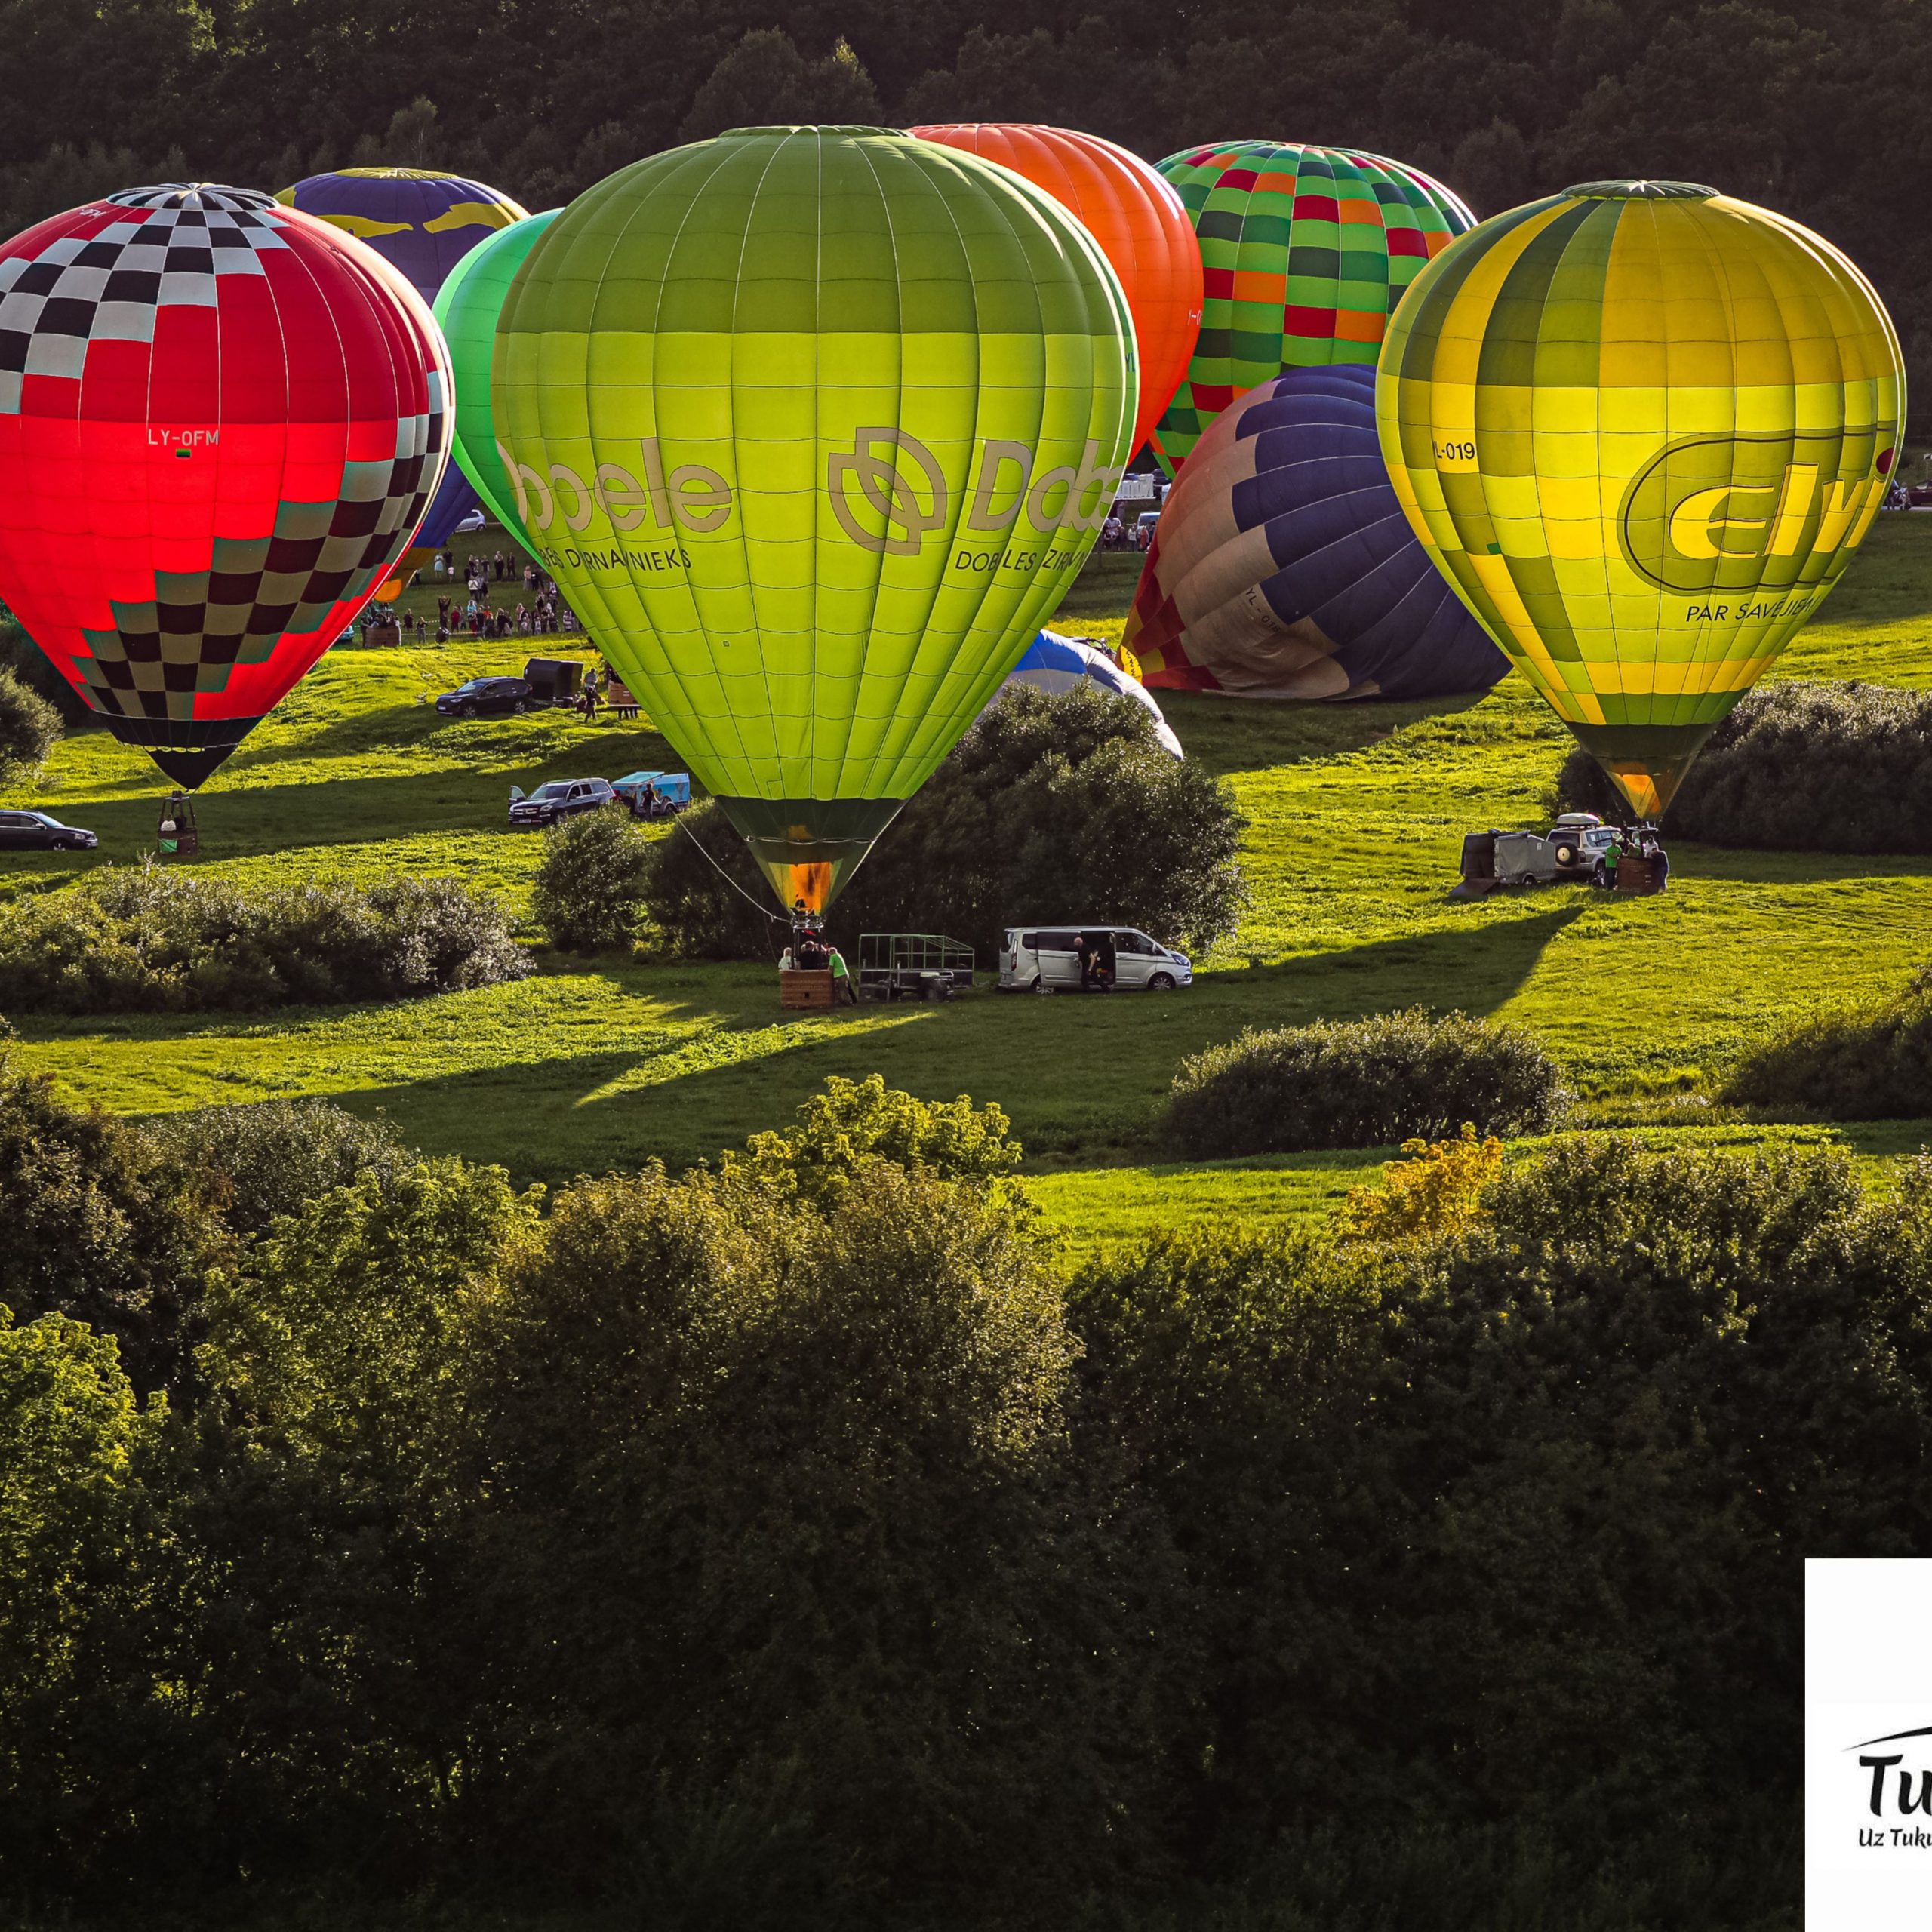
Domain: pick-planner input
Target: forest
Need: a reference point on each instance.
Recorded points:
(1813, 111)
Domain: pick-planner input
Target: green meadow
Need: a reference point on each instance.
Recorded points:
(1355, 815)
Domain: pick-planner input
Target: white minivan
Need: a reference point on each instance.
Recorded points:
(1045, 959)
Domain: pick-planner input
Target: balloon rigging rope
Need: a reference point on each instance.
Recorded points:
(764, 911)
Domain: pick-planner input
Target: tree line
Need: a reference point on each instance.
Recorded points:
(1812, 110)
(800, 1542)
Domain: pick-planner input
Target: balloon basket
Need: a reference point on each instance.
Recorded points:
(177, 835)
(805, 990)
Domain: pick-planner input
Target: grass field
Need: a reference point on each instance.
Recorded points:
(1355, 815)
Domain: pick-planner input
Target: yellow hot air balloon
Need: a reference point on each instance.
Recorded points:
(1641, 427)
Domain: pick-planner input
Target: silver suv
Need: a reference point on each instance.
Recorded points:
(563, 798)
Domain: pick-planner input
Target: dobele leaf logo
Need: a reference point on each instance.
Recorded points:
(887, 492)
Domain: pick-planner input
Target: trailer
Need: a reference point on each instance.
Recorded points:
(555, 680)
(912, 966)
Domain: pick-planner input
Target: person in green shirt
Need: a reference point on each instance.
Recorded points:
(841, 980)
(1612, 858)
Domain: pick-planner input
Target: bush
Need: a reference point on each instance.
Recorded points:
(1051, 807)
(580, 1501)
(1362, 1083)
(1527, 1496)
(274, 1157)
(779, 1546)
(1796, 767)
(842, 1130)
(1872, 1064)
(32, 666)
(29, 728)
(102, 1226)
(72, 1444)
(705, 897)
(138, 940)
(786, 1524)
(590, 887)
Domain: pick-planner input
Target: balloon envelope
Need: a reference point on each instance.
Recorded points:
(1642, 427)
(419, 219)
(813, 426)
(1307, 249)
(1283, 566)
(220, 423)
(1054, 663)
(1137, 218)
(422, 221)
(467, 306)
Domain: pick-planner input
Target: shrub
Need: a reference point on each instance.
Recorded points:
(705, 897)
(1871, 1064)
(103, 1226)
(786, 1524)
(1456, 1513)
(778, 1545)
(71, 1444)
(33, 667)
(1436, 1191)
(1802, 767)
(580, 1501)
(1362, 1083)
(849, 1124)
(590, 887)
(1051, 807)
(138, 940)
(29, 728)
(274, 1157)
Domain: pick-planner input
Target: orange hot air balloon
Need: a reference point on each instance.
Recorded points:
(1139, 221)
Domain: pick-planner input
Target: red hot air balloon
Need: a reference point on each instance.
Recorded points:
(220, 422)
(1140, 220)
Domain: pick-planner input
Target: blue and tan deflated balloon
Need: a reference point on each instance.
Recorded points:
(1283, 566)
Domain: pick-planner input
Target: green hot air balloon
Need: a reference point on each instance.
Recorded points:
(814, 425)
(467, 305)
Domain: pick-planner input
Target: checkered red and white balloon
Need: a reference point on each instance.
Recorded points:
(221, 422)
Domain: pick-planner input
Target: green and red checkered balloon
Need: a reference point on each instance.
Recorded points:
(1308, 250)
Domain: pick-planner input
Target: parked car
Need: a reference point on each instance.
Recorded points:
(562, 798)
(1047, 959)
(489, 697)
(41, 832)
(673, 789)
(474, 522)
(1149, 521)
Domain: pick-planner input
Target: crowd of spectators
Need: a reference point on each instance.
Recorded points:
(484, 609)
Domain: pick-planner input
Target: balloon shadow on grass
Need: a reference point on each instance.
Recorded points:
(1083, 1077)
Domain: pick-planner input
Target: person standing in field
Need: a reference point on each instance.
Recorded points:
(841, 980)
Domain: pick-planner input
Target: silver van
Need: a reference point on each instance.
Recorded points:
(1045, 959)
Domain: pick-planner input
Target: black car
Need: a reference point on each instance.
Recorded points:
(490, 697)
(41, 831)
(563, 798)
